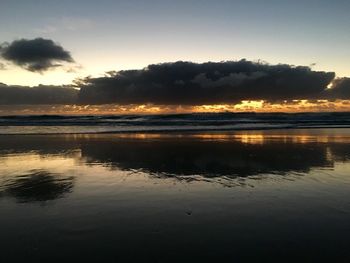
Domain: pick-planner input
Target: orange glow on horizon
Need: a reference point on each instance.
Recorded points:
(244, 106)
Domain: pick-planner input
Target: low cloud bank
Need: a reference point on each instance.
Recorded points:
(21, 95)
(189, 84)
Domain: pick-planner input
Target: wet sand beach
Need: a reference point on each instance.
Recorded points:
(263, 196)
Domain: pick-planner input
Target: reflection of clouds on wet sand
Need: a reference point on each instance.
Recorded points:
(204, 194)
(37, 185)
(224, 158)
(210, 158)
(30, 176)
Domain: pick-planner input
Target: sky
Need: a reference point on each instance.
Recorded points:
(102, 36)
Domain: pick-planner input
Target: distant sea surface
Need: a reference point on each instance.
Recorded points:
(45, 124)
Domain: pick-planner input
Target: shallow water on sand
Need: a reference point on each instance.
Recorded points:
(281, 195)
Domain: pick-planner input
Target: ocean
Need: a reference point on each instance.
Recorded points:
(44, 124)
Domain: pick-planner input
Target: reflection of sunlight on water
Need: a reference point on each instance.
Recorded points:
(246, 137)
(251, 138)
(17, 164)
(261, 138)
(329, 155)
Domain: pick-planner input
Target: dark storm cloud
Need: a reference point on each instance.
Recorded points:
(190, 84)
(340, 89)
(17, 95)
(35, 55)
(187, 83)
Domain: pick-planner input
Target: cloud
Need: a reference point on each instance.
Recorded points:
(35, 55)
(340, 89)
(21, 95)
(187, 83)
(2, 66)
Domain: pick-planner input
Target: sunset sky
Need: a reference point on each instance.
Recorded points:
(275, 56)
